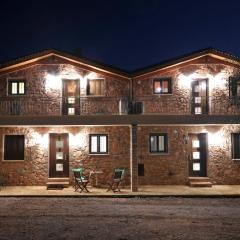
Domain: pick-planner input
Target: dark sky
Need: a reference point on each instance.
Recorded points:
(126, 34)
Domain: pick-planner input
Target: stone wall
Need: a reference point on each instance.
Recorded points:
(44, 94)
(179, 102)
(172, 168)
(34, 169)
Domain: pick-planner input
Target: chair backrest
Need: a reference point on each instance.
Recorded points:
(78, 172)
(119, 173)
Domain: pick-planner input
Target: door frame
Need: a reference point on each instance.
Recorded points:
(49, 155)
(190, 154)
(207, 94)
(79, 92)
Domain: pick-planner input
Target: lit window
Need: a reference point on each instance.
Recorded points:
(95, 87)
(196, 166)
(71, 111)
(16, 87)
(198, 110)
(71, 100)
(195, 143)
(158, 143)
(98, 143)
(197, 99)
(162, 86)
(196, 155)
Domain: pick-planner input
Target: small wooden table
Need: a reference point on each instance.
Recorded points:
(96, 173)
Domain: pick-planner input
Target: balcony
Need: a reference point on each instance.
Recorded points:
(85, 106)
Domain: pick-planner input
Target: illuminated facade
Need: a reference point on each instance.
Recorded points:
(173, 123)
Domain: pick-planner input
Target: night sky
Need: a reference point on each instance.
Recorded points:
(126, 34)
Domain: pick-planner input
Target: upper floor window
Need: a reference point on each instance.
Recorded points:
(158, 143)
(14, 147)
(162, 86)
(98, 143)
(16, 87)
(96, 87)
(235, 145)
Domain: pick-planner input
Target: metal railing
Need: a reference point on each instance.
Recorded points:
(54, 106)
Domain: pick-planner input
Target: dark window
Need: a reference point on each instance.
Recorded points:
(158, 143)
(98, 143)
(95, 87)
(14, 147)
(235, 145)
(140, 169)
(16, 87)
(162, 86)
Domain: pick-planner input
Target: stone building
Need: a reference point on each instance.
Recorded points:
(173, 123)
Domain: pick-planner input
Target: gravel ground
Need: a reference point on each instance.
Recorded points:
(121, 219)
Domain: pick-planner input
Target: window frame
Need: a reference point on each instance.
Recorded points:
(4, 150)
(165, 151)
(233, 146)
(160, 80)
(98, 144)
(88, 87)
(9, 86)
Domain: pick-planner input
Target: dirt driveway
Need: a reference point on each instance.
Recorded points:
(97, 218)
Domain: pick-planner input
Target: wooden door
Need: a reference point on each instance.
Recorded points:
(71, 99)
(200, 96)
(59, 155)
(198, 155)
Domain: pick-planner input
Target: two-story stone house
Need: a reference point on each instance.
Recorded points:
(165, 124)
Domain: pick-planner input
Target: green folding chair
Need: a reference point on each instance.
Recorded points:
(80, 180)
(118, 177)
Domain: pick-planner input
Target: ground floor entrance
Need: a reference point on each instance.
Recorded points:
(58, 155)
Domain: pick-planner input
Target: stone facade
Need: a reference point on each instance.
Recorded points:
(179, 102)
(34, 169)
(44, 93)
(172, 167)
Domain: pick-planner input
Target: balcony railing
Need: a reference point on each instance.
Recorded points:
(35, 106)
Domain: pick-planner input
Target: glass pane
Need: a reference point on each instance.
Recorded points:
(196, 155)
(71, 100)
(196, 166)
(161, 143)
(59, 144)
(59, 155)
(157, 87)
(153, 141)
(196, 88)
(165, 86)
(198, 110)
(59, 167)
(103, 144)
(71, 87)
(197, 99)
(238, 89)
(96, 86)
(21, 87)
(93, 144)
(195, 143)
(14, 88)
(71, 111)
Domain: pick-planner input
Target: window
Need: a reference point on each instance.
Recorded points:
(235, 145)
(158, 143)
(162, 86)
(14, 147)
(98, 143)
(16, 87)
(95, 87)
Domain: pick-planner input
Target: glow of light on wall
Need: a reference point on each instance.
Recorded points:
(91, 75)
(77, 140)
(53, 82)
(41, 140)
(216, 138)
(220, 80)
(184, 81)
